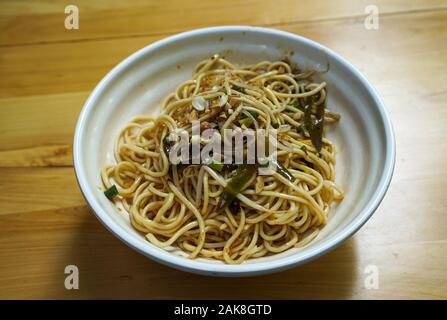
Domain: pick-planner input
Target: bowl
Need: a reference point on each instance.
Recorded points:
(364, 136)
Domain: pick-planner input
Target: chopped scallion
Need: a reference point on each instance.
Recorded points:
(215, 165)
(264, 164)
(237, 88)
(245, 121)
(253, 113)
(302, 129)
(296, 104)
(111, 192)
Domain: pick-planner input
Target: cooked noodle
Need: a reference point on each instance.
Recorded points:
(176, 206)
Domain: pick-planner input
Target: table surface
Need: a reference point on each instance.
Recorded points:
(48, 71)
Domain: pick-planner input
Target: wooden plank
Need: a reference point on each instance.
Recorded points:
(36, 247)
(36, 189)
(109, 269)
(74, 67)
(48, 120)
(105, 19)
(45, 224)
(31, 123)
(61, 67)
(43, 156)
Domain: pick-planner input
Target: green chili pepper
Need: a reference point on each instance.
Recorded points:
(308, 118)
(244, 174)
(315, 127)
(317, 134)
(282, 170)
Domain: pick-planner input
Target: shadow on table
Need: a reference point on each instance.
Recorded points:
(110, 269)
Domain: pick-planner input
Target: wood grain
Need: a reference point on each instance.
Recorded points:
(106, 19)
(35, 189)
(47, 73)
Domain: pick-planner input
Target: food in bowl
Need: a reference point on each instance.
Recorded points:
(235, 167)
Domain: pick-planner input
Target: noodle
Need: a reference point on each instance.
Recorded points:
(182, 206)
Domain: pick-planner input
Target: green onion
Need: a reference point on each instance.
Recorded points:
(237, 88)
(244, 174)
(308, 118)
(166, 145)
(253, 113)
(296, 104)
(317, 131)
(275, 125)
(215, 165)
(264, 164)
(302, 129)
(317, 134)
(303, 148)
(315, 127)
(282, 170)
(246, 121)
(111, 192)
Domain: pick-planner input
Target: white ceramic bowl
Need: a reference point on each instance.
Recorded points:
(364, 137)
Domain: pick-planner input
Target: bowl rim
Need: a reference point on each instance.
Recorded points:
(207, 268)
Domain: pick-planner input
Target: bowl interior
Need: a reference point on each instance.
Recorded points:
(138, 85)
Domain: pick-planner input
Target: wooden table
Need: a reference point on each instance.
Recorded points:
(46, 73)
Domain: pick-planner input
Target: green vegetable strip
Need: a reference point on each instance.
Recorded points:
(237, 88)
(308, 118)
(302, 129)
(253, 113)
(217, 166)
(296, 104)
(282, 170)
(111, 192)
(236, 184)
(264, 164)
(246, 121)
(317, 134)
(166, 145)
(315, 128)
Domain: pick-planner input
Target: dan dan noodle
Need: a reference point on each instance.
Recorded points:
(228, 211)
